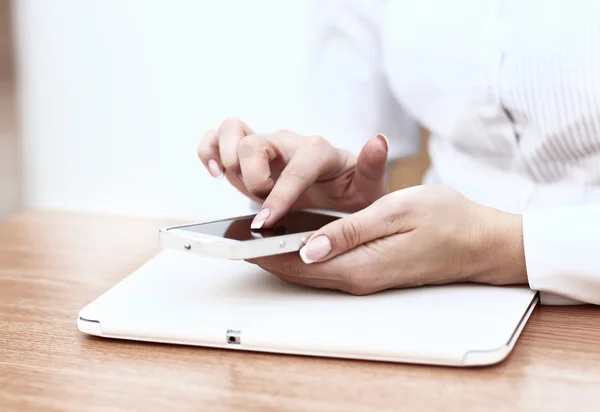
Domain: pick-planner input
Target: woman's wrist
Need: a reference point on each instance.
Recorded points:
(503, 252)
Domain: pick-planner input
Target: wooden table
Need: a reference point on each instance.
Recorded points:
(53, 264)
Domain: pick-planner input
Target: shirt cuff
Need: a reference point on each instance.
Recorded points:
(562, 255)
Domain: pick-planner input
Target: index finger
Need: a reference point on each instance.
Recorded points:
(306, 166)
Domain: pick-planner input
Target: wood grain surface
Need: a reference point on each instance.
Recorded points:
(53, 264)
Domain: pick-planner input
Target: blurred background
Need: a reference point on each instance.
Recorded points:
(102, 103)
(10, 159)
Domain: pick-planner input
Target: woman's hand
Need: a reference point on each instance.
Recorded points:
(292, 171)
(417, 236)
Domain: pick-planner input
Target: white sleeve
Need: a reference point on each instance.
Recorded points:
(562, 253)
(353, 100)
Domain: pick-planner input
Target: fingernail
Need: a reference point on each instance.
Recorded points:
(385, 140)
(315, 249)
(214, 169)
(241, 177)
(260, 219)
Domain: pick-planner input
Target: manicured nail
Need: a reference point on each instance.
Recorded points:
(385, 140)
(315, 249)
(214, 169)
(260, 219)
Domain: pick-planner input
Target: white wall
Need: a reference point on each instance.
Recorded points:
(116, 95)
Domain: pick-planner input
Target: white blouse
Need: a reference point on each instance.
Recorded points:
(511, 93)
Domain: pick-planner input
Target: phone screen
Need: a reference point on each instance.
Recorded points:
(239, 229)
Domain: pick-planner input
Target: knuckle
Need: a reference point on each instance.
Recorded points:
(358, 290)
(276, 198)
(203, 151)
(230, 163)
(356, 283)
(230, 121)
(249, 145)
(396, 200)
(350, 234)
(294, 172)
(395, 222)
(260, 188)
(317, 141)
(399, 206)
(289, 267)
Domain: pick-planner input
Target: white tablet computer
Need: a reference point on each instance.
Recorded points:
(185, 298)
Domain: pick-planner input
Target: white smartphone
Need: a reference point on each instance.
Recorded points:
(234, 239)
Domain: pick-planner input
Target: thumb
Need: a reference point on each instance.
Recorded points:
(385, 217)
(369, 178)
